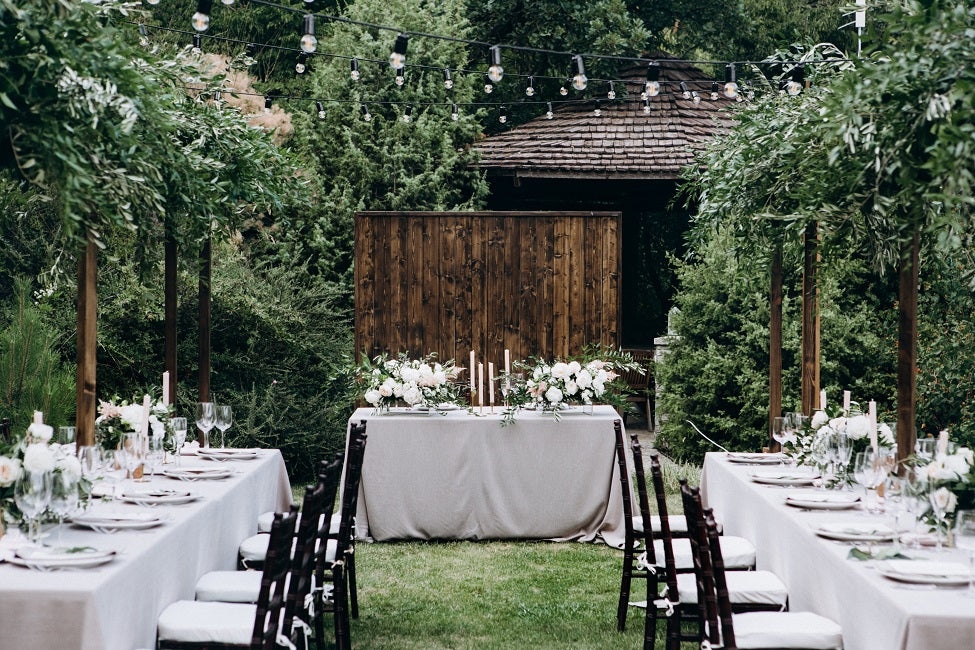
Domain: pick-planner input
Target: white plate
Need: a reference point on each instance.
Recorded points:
(198, 473)
(159, 497)
(924, 572)
(851, 531)
(446, 406)
(112, 523)
(756, 459)
(45, 559)
(784, 478)
(216, 453)
(822, 500)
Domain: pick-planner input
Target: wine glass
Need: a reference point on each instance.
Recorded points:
(924, 449)
(64, 497)
(896, 493)
(868, 472)
(916, 500)
(840, 451)
(179, 435)
(965, 539)
(132, 453)
(92, 463)
(780, 431)
(155, 454)
(938, 499)
(204, 420)
(224, 418)
(65, 435)
(32, 493)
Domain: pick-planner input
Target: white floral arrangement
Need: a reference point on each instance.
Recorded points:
(551, 387)
(117, 417)
(416, 382)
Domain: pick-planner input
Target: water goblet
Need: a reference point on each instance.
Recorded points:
(66, 435)
(869, 473)
(965, 539)
(780, 431)
(204, 420)
(132, 453)
(64, 497)
(156, 453)
(938, 497)
(92, 463)
(896, 493)
(32, 493)
(178, 426)
(840, 451)
(224, 419)
(924, 449)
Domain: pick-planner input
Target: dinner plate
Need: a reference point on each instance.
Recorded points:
(159, 497)
(823, 500)
(224, 453)
(756, 459)
(853, 531)
(46, 559)
(928, 572)
(784, 478)
(198, 473)
(113, 522)
(446, 406)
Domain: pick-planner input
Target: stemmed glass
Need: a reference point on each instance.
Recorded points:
(938, 503)
(204, 420)
(924, 449)
(92, 461)
(65, 435)
(780, 431)
(869, 471)
(896, 496)
(840, 452)
(965, 539)
(32, 493)
(156, 453)
(64, 497)
(915, 497)
(224, 420)
(179, 436)
(132, 453)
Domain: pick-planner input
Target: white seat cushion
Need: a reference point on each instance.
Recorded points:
(254, 549)
(193, 621)
(786, 630)
(229, 586)
(678, 524)
(738, 552)
(744, 588)
(265, 520)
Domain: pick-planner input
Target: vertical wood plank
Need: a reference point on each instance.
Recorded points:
(170, 319)
(463, 227)
(379, 341)
(428, 338)
(564, 298)
(447, 274)
(87, 312)
(775, 342)
(413, 264)
(907, 347)
(528, 289)
(610, 275)
(204, 326)
(511, 287)
(592, 290)
(810, 322)
(364, 257)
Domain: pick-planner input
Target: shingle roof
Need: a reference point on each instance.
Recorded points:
(622, 143)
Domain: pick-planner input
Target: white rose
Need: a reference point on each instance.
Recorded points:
(938, 470)
(409, 375)
(857, 427)
(373, 396)
(838, 424)
(885, 435)
(819, 418)
(412, 395)
(957, 464)
(439, 378)
(966, 453)
(39, 432)
(574, 366)
(9, 471)
(584, 378)
(560, 370)
(38, 458)
(385, 390)
(601, 376)
(70, 466)
(132, 415)
(392, 363)
(537, 374)
(571, 388)
(553, 395)
(944, 500)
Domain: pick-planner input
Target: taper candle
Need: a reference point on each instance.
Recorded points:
(846, 401)
(491, 383)
(473, 378)
(166, 388)
(822, 399)
(480, 384)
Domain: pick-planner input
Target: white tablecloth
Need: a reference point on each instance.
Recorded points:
(875, 613)
(115, 607)
(457, 476)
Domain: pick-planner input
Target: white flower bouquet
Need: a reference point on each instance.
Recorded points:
(424, 382)
(118, 417)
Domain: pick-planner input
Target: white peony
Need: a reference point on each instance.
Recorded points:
(598, 388)
(70, 466)
(132, 415)
(838, 424)
(885, 435)
(957, 464)
(857, 427)
(373, 396)
(571, 388)
(409, 375)
(38, 458)
(584, 378)
(9, 471)
(39, 432)
(386, 390)
(561, 370)
(940, 470)
(819, 418)
(537, 373)
(156, 426)
(553, 395)
(412, 395)
(574, 366)
(392, 363)
(439, 377)
(944, 500)
(966, 453)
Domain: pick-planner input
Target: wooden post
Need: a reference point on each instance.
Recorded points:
(171, 310)
(810, 321)
(204, 380)
(87, 333)
(775, 342)
(907, 347)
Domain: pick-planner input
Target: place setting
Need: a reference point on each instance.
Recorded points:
(760, 458)
(112, 522)
(784, 478)
(823, 500)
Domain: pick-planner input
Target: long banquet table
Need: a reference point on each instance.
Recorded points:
(460, 476)
(874, 612)
(115, 606)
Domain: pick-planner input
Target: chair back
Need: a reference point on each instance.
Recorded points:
(700, 554)
(630, 540)
(271, 599)
(328, 478)
(666, 538)
(636, 382)
(350, 487)
(719, 601)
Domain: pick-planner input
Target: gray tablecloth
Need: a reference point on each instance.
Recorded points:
(115, 607)
(875, 613)
(464, 477)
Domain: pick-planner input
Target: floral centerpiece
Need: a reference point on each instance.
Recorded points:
(416, 382)
(118, 417)
(825, 423)
(950, 484)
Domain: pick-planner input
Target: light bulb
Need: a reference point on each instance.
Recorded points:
(408, 114)
(201, 22)
(227, 2)
(397, 59)
(321, 110)
(454, 115)
(798, 77)
(197, 44)
(366, 115)
(300, 65)
(714, 91)
(646, 106)
(502, 118)
(267, 104)
(354, 69)
(612, 91)
(549, 114)
(684, 92)
(530, 89)
(730, 82)
(495, 71)
(597, 111)
(400, 80)
(695, 97)
(143, 36)
(308, 41)
(652, 89)
(488, 88)
(448, 83)
(579, 81)
(153, 2)
(739, 98)
(793, 87)
(563, 91)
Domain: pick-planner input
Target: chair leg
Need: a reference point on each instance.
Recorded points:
(650, 616)
(353, 597)
(673, 630)
(624, 591)
(341, 613)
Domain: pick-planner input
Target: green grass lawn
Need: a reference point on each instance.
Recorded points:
(496, 594)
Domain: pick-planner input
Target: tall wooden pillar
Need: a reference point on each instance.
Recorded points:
(87, 336)
(171, 310)
(907, 346)
(204, 380)
(810, 321)
(775, 342)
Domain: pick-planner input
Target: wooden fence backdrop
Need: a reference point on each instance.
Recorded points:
(537, 283)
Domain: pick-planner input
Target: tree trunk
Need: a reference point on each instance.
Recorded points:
(775, 342)
(171, 310)
(87, 338)
(907, 347)
(810, 321)
(204, 379)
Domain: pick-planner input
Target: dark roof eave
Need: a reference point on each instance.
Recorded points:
(521, 172)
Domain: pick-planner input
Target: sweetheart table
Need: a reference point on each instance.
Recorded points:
(461, 476)
(876, 613)
(115, 606)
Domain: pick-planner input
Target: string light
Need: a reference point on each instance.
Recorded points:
(397, 59)
(321, 110)
(495, 71)
(143, 36)
(684, 92)
(354, 69)
(454, 114)
(408, 113)
(579, 81)
(488, 88)
(714, 91)
(652, 87)
(530, 89)
(695, 97)
(612, 91)
(730, 82)
(201, 19)
(366, 115)
(250, 50)
(227, 2)
(267, 103)
(502, 114)
(308, 41)
(596, 110)
(400, 77)
(549, 114)
(563, 90)
(197, 44)
(302, 63)
(646, 105)
(794, 85)
(448, 83)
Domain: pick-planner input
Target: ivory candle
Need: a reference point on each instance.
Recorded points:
(846, 401)
(144, 424)
(480, 384)
(38, 417)
(507, 361)
(473, 379)
(822, 399)
(872, 416)
(166, 388)
(943, 443)
(491, 383)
